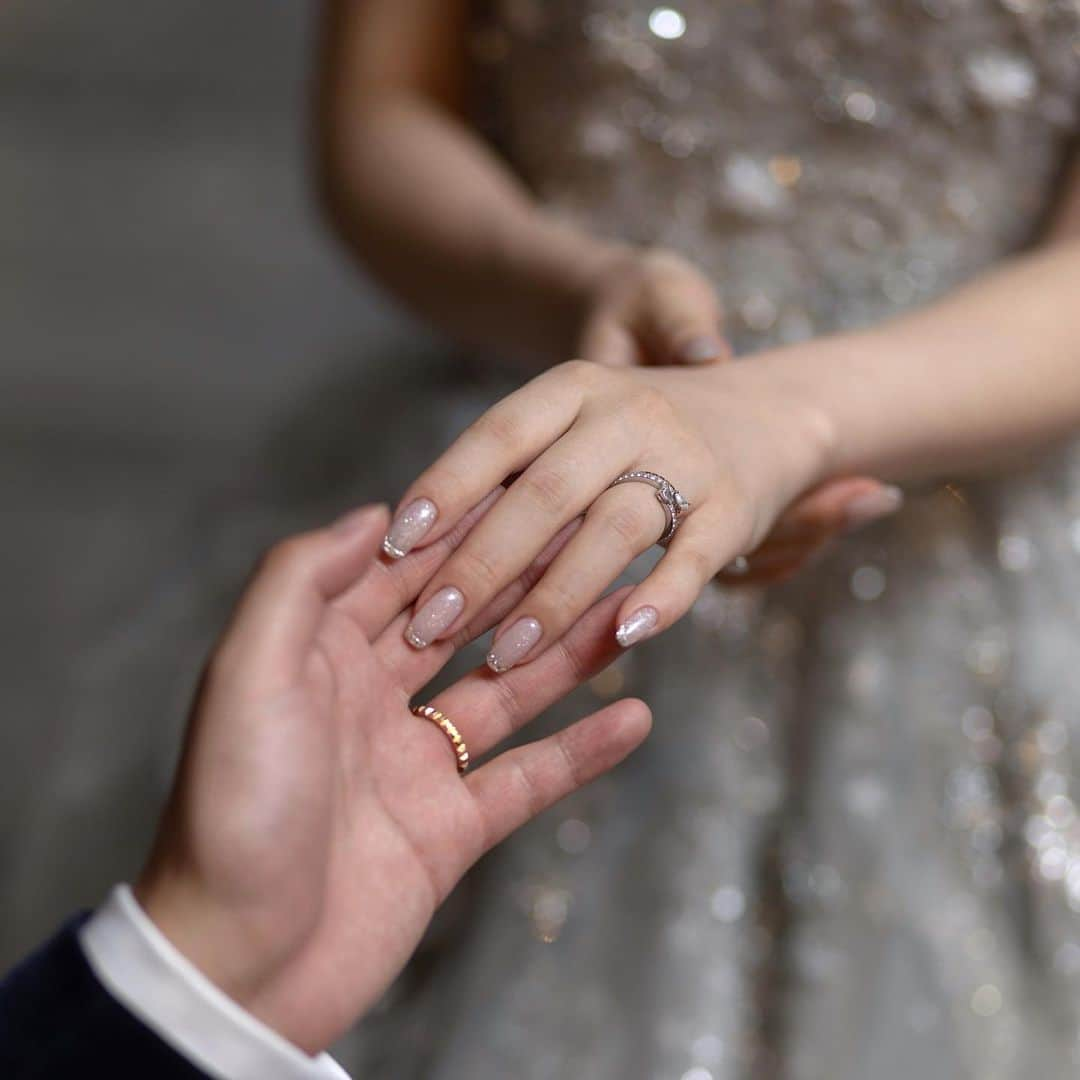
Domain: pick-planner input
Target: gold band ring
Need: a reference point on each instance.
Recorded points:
(449, 729)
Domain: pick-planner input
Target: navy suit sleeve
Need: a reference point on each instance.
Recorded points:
(57, 1020)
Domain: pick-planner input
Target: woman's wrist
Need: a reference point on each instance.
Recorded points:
(783, 410)
(833, 385)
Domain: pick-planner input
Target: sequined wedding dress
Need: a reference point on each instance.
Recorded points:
(850, 850)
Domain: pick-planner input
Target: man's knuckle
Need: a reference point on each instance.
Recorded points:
(510, 709)
(530, 789)
(574, 658)
(572, 763)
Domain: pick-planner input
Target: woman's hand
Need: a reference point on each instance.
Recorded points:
(316, 824)
(738, 444)
(653, 308)
(650, 308)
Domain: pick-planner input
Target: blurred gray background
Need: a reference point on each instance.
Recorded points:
(190, 367)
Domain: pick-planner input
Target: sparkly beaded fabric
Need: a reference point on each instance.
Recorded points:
(827, 163)
(850, 850)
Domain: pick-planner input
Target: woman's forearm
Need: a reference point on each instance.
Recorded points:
(439, 220)
(985, 375)
(421, 200)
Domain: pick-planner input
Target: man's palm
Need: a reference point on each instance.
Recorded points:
(323, 823)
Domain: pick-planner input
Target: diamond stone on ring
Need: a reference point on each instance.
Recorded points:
(676, 506)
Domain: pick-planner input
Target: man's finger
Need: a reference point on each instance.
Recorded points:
(487, 707)
(521, 783)
(283, 606)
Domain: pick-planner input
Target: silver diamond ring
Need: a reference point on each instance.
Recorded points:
(675, 505)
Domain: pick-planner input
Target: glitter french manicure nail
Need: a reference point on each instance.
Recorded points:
(409, 528)
(513, 644)
(436, 616)
(637, 626)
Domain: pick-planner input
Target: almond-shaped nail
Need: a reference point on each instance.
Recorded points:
(409, 527)
(701, 350)
(514, 643)
(873, 505)
(435, 617)
(637, 626)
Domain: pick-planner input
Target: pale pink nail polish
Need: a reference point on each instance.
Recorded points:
(872, 506)
(435, 617)
(637, 626)
(409, 528)
(514, 643)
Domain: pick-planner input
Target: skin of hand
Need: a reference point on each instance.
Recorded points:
(984, 376)
(484, 261)
(651, 307)
(316, 824)
(738, 446)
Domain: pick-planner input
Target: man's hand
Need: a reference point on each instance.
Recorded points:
(316, 824)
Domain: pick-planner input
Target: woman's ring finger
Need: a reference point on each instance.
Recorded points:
(676, 506)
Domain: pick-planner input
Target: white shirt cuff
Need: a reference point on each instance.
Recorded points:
(137, 964)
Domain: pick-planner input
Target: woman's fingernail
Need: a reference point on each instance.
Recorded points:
(637, 627)
(409, 528)
(434, 617)
(872, 506)
(513, 644)
(701, 350)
